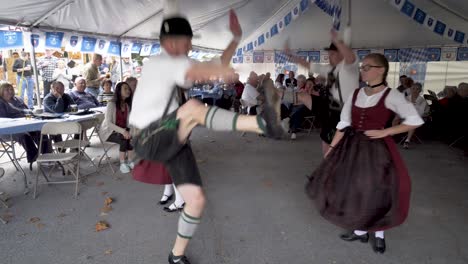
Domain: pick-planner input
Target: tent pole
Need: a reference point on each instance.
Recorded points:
(50, 12)
(36, 76)
(120, 58)
(142, 22)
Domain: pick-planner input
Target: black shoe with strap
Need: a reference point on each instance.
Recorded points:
(379, 245)
(178, 259)
(165, 199)
(351, 236)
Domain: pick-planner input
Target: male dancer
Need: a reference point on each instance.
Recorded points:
(342, 79)
(163, 125)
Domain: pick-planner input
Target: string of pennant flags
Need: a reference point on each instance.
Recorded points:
(393, 55)
(423, 18)
(85, 44)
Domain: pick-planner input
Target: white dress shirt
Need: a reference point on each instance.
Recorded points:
(347, 73)
(249, 95)
(395, 101)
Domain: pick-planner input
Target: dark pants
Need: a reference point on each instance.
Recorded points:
(46, 87)
(298, 113)
(119, 139)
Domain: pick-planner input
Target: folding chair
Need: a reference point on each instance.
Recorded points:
(309, 122)
(68, 160)
(72, 143)
(8, 148)
(106, 145)
(3, 201)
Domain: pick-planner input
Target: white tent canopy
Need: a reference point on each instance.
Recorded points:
(375, 23)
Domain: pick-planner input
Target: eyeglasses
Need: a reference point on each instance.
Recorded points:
(367, 68)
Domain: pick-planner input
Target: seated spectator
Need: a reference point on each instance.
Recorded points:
(421, 107)
(115, 126)
(401, 87)
(239, 88)
(106, 95)
(132, 82)
(250, 93)
(405, 88)
(291, 81)
(83, 99)
(13, 107)
(57, 101)
(299, 110)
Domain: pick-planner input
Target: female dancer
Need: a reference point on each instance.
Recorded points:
(363, 184)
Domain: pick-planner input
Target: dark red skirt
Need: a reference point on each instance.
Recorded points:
(151, 172)
(363, 184)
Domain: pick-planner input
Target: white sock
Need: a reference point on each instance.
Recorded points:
(178, 198)
(379, 234)
(359, 232)
(168, 190)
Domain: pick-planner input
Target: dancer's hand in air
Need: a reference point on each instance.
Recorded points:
(234, 25)
(375, 134)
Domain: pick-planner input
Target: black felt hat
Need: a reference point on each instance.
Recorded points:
(176, 26)
(332, 47)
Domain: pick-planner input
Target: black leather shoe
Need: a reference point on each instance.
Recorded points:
(173, 208)
(180, 260)
(351, 236)
(379, 245)
(165, 199)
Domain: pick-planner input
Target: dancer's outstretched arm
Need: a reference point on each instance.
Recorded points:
(236, 31)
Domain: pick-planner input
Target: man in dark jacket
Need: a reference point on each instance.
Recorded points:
(57, 101)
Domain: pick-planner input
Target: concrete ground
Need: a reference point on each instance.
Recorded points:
(257, 211)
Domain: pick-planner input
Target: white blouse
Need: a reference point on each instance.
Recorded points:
(395, 101)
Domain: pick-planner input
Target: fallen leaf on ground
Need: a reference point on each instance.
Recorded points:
(108, 252)
(212, 141)
(23, 235)
(40, 225)
(104, 193)
(200, 160)
(101, 225)
(62, 215)
(267, 183)
(106, 209)
(34, 219)
(99, 184)
(108, 201)
(7, 216)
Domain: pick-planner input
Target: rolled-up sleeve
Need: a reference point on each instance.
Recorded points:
(345, 117)
(406, 110)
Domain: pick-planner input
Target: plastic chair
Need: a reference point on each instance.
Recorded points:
(68, 160)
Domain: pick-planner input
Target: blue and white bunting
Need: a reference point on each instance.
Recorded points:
(448, 54)
(361, 54)
(155, 49)
(288, 19)
(408, 8)
(440, 28)
(146, 49)
(269, 57)
(398, 4)
(38, 41)
(314, 56)
(296, 12)
(54, 40)
(462, 54)
(274, 30)
(126, 50)
(391, 54)
(433, 54)
(11, 40)
(88, 44)
(421, 17)
(102, 46)
(72, 42)
(304, 4)
(258, 57)
(136, 48)
(114, 48)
